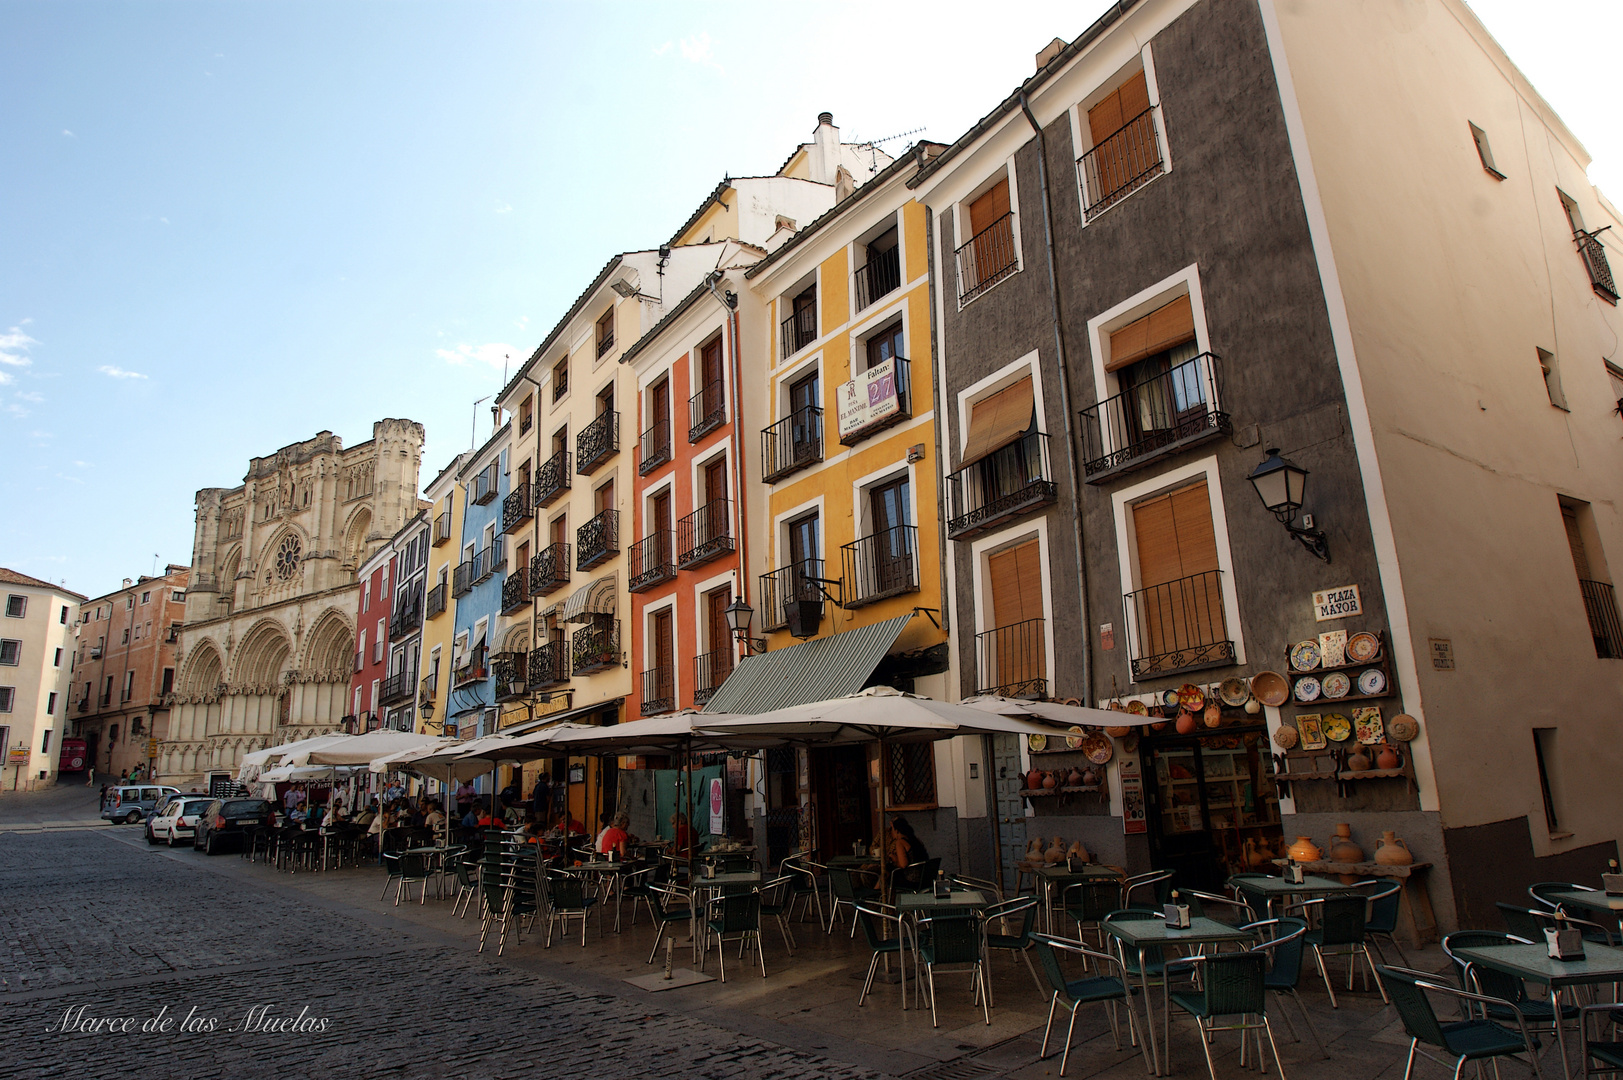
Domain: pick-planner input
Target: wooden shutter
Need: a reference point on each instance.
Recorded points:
(715, 482)
(1166, 326)
(1020, 651)
(605, 497)
(716, 603)
(989, 207)
(1119, 106)
(999, 420)
(664, 646)
(1175, 536)
(1575, 541)
(661, 512)
(710, 363)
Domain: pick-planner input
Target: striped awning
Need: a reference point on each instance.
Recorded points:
(596, 598)
(813, 670)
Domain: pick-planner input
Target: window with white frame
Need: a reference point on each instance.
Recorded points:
(11, 652)
(1124, 148)
(989, 251)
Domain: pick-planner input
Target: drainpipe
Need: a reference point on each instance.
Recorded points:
(711, 281)
(535, 515)
(938, 426)
(1065, 402)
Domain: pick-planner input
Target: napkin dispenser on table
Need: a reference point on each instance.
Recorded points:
(1612, 883)
(709, 869)
(1075, 863)
(1565, 944)
(1294, 874)
(1177, 916)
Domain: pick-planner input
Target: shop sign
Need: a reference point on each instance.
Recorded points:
(18, 756)
(717, 803)
(1134, 819)
(1337, 603)
(868, 398)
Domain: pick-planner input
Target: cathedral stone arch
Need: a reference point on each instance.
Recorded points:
(262, 656)
(329, 646)
(204, 670)
(355, 533)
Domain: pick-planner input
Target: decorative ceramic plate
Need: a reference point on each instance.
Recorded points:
(1307, 688)
(1337, 685)
(1270, 688)
(1337, 728)
(1130, 743)
(1191, 697)
(1233, 692)
(1037, 742)
(1285, 737)
(1307, 726)
(1367, 724)
(1074, 739)
(1362, 648)
(1333, 648)
(1098, 747)
(1403, 727)
(1170, 699)
(1371, 681)
(1305, 655)
(1137, 708)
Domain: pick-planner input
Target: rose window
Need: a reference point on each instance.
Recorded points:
(287, 558)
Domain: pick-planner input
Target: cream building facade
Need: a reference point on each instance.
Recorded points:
(36, 654)
(268, 645)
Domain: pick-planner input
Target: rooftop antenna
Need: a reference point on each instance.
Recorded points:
(872, 144)
(473, 427)
(154, 564)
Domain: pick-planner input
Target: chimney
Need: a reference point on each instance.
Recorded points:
(825, 149)
(1049, 51)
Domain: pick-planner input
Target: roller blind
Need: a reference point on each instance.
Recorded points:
(1017, 584)
(989, 207)
(1119, 106)
(999, 420)
(1166, 326)
(1175, 536)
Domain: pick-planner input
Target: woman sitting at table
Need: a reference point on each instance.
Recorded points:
(906, 850)
(615, 836)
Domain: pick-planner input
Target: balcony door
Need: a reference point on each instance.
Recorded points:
(718, 641)
(659, 530)
(710, 375)
(804, 399)
(664, 646)
(1179, 602)
(890, 506)
(805, 556)
(994, 251)
(885, 345)
(1018, 651)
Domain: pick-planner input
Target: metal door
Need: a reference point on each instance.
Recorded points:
(1011, 808)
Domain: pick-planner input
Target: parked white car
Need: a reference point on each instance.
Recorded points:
(177, 822)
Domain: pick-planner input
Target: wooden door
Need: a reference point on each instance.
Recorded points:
(659, 530)
(603, 498)
(891, 544)
(805, 432)
(885, 345)
(558, 531)
(718, 639)
(1179, 600)
(664, 654)
(1019, 648)
(713, 518)
(804, 556)
(659, 410)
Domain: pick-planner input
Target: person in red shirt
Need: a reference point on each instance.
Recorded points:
(615, 836)
(485, 820)
(684, 834)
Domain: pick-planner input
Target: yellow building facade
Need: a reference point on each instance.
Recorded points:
(439, 623)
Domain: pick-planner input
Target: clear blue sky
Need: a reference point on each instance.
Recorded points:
(226, 227)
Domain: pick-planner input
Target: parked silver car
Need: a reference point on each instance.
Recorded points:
(177, 821)
(131, 803)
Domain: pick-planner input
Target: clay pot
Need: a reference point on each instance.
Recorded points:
(1304, 850)
(1213, 714)
(1342, 848)
(1118, 732)
(1034, 779)
(1089, 776)
(1358, 761)
(1250, 856)
(1252, 706)
(1034, 849)
(1186, 723)
(1078, 852)
(1392, 851)
(1050, 781)
(1388, 757)
(1075, 778)
(1056, 852)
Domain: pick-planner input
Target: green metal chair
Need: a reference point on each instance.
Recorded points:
(404, 870)
(1020, 943)
(1530, 923)
(1381, 918)
(1473, 1039)
(842, 890)
(956, 942)
(1070, 993)
(1086, 903)
(775, 903)
(1340, 933)
(1241, 886)
(1602, 1056)
(671, 906)
(467, 885)
(874, 917)
(733, 918)
(1156, 885)
(567, 899)
(1232, 985)
(1154, 969)
(805, 889)
(639, 886)
(1225, 909)
(1483, 980)
(1540, 891)
(1285, 945)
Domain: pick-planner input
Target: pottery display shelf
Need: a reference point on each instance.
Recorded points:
(1415, 900)
(1327, 704)
(1063, 789)
(1321, 765)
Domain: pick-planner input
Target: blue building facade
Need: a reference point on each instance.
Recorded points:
(476, 588)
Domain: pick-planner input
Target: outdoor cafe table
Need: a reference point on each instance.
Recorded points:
(1144, 934)
(1277, 888)
(926, 904)
(610, 882)
(1601, 964)
(1600, 903)
(711, 886)
(1058, 878)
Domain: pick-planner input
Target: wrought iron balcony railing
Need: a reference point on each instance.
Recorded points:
(1000, 486)
(652, 560)
(879, 276)
(436, 600)
(442, 527)
(429, 688)
(707, 410)
(486, 484)
(705, 534)
(397, 688)
(1600, 604)
(516, 508)
(710, 670)
(552, 480)
(408, 616)
(658, 691)
(986, 258)
(491, 560)
(1171, 412)
(475, 668)
(596, 647)
(549, 570)
(798, 330)
(548, 665)
(1012, 661)
(1595, 261)
(84, 704)
(791, 444)
(654, 448)
(786, 585)
(511, 680)
(1178, 626)
(902, 378)
(597, 442)
(606, 342)
(884, 564)
(515, 592)
(1120, 164)
(598, 540)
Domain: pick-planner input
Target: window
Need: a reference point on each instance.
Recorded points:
(45, 740)
(1600, 602)
(988, 256)
(126, 639)
(57, 662)
(16, 606)
(1484, 152)
(1615, 374)
(146, 597)
(50, 710)
(882, 272)
(1591, 250)
(63, 618)
(525, 415)
(910, 775)
(129, 602)
(799, 327)
(1126, 153)
(1544, 757)
(707, 408)
(366, 595)
(1176, 619)
(560, 378)
(605, 333)
(7, 695)
(1012, 656)
(168, 681)
(1004, 471)
(107, 691)
(129, 686)
(1552, 379)
(178, 596)
(360, 652)
(11, 653)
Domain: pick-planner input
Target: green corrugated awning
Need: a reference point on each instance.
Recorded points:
(813, 670)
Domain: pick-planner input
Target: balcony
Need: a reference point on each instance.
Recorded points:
(658, 691)
(515, 592)
(986, 258)
(486, 484)
(1120, 164)
(549, 570)
(511, 680)
(1001, 486)
(462, 578)
(409, 617)
(879, 276)
(595, 648)
(788, 585)
(107, 699)
(798, 330)
(710, 670)
(705, 534)
(1600, 604)
(436, 600)
(879, 566)
(791, 444)
(490, 561)
(889, 401)
(651, 561)
(84, 704)
(1178, 626)
(552, 480)
(516, 508)
(95, 652)
(548, 666)
(428, 689)
(1171, 412)
(598, 540)
(442, 528)
(1600, 270)
(1012, 661)
(605, 341)
(396, 688)
(707, 411)
(654, 448)
(597, 442)
(475, 669)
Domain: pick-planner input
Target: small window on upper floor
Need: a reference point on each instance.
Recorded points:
(525, 414)
(881, 269)
(605, 333)
(1615, 374)
(1126, 150)
(1594, 580)
(11, 653)
(560, 378)
(1552, 379)
(1483, 150)
(989, 255)
(1591, 250)
(16, 606)
(797, 326)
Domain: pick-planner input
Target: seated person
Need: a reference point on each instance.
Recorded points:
(485, 820)
(615, 836)
(684, 834)
(470, 820)
(532, 831)
(906, 851)
(512, 815)
(297, 815)
(433, 819)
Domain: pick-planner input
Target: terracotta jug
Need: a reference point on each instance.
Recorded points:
(1213, 716)
(1034, 779)
(1186, 723)
(1034, 850)
(1078, 852)
(1358, 760)
(1075, 778)
(1388, 757)
(1342, 848)
(1304, 850)
(1089, 777)
(1056, 852)
(1050, 781)
(1392, 851)
(1253, 856)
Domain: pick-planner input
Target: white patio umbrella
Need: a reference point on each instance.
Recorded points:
(359, 749)
(1057, 713)
(286, 773)
(257, 761)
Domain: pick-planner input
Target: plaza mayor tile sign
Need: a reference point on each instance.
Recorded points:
(868, 398)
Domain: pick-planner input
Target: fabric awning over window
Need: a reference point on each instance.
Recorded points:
(999, 420)
(1156, 332)
(596, 598)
